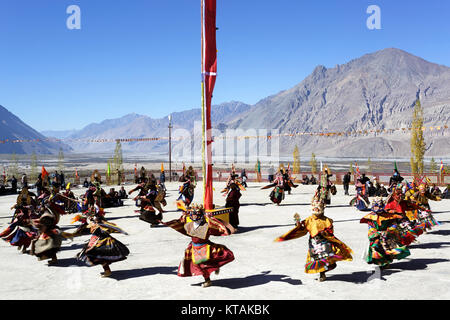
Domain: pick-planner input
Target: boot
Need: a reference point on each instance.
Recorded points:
(106, 274)
(53, 261)
(322, 277)
(206, 284)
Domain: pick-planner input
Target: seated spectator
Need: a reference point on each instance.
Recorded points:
(446, 193)
(14, 185)
(112, 199)
(382, 192)
(372, 191)
(122, 193)
(305, 179)
(435, 191)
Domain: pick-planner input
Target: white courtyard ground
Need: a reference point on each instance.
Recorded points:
(262, 269)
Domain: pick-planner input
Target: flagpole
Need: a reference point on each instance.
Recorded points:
(203, 105)
(170, 147)
(209, 72)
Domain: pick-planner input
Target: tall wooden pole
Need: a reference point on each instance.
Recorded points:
(170, 148)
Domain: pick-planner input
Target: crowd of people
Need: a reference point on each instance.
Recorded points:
(34, 228)
(396, 217)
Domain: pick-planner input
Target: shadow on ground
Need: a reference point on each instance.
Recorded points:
(248, 229)
(435, 245)
(255, 204)
(293, 204)
(348, 220)
(340, 206)
(142, 272)
(274, 205)
(440, 232)
(70, 262)
(358, 277)
(415, 264)
(253, 280)
(367, 276)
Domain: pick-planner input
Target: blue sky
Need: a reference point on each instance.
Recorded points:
(143, 56)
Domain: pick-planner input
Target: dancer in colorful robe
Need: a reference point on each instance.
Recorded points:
(70, 201)
(288, 181)
(232, 201)
(324, 248)
(277, 194)
(202, 257)
(55, 201)
(21, 231)
(160, 200)
(102, 249)
(395, 203)
(233, 178)
(326, 187)
(25, 199)
(422, 215)
(191, 175)
(149, 202)
(360, 201)
(186, 192)
(50, 237)
(395, 180)
(361, 186)
(384, 237)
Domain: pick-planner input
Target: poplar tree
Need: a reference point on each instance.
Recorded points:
(369, 165)
(296, 164)
(117, 163)
(433, 166)
(258, 170)
(61, 161)
(313, 163)
(417, 140)
(108, 172)
(33, 166)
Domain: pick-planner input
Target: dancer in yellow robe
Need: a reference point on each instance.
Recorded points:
(324, 248)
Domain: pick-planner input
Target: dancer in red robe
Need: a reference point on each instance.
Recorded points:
(202, 257)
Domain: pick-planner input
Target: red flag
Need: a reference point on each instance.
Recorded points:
(357, 169)
(209, 72)
(44, 172)
(76, 173)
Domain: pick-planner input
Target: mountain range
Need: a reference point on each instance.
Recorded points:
(12, 128)
(141, 126)
(375, 91)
